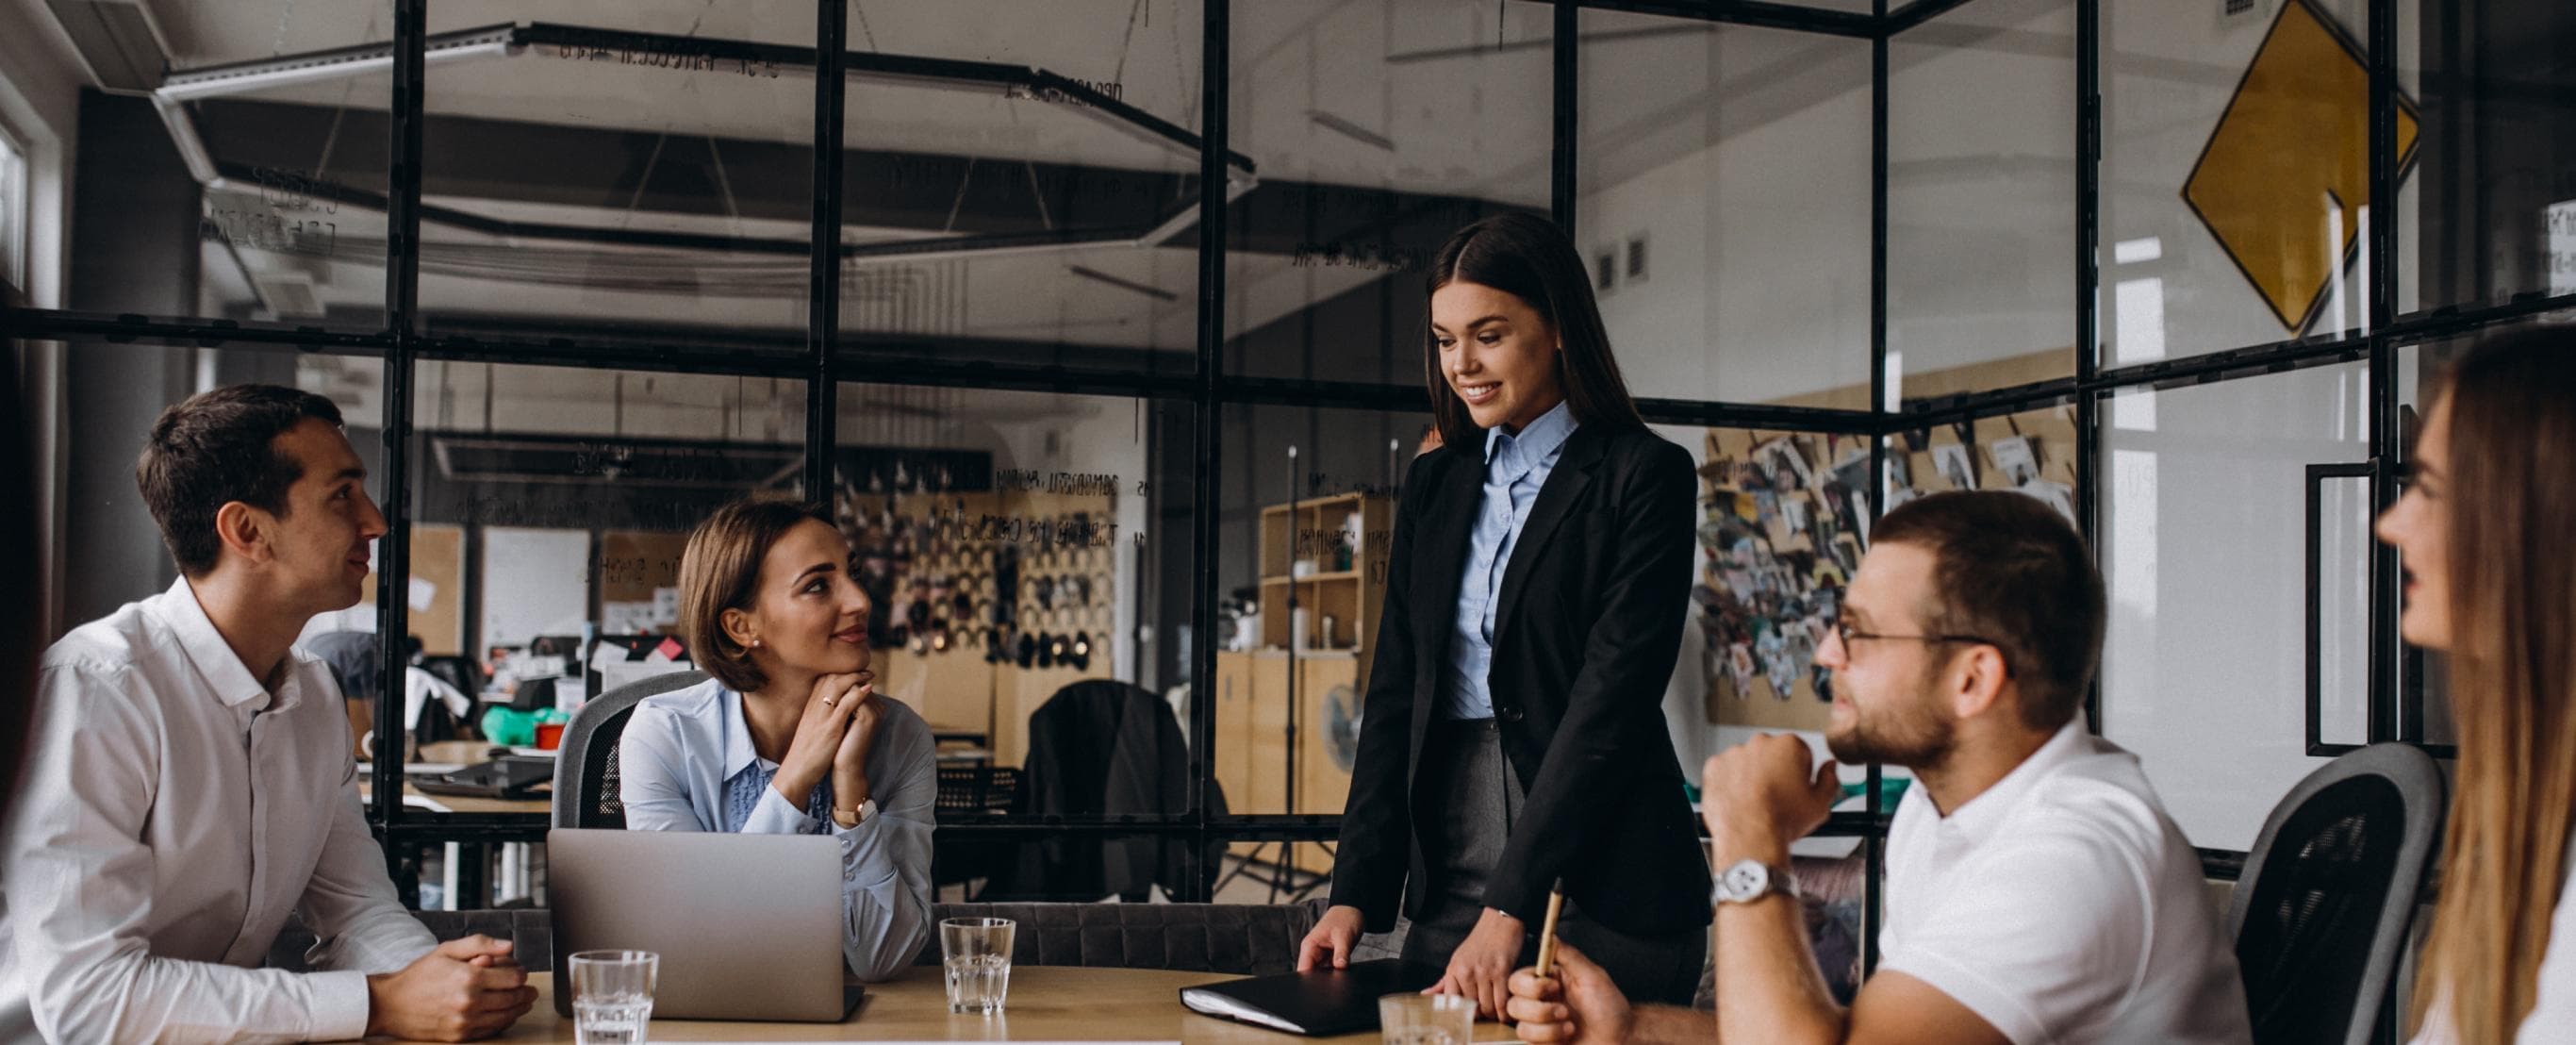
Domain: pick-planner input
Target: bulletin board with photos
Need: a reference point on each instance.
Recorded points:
(1785, 518)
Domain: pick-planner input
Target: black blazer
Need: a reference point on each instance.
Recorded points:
(1587, 627)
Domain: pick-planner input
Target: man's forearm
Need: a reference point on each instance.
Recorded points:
(1768, 989)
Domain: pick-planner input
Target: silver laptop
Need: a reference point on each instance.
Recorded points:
(748, 926)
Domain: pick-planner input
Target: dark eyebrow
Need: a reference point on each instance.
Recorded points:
(352, 474)
(1477, 322)
(820, 567)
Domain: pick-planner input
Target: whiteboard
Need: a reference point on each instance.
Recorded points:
(535, 582)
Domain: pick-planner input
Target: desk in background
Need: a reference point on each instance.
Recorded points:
(469, 878)
(1048, 1002)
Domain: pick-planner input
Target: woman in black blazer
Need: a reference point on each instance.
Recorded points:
(1513, 733)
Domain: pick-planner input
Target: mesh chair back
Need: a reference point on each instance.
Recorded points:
(586, 768)
(2322, 911)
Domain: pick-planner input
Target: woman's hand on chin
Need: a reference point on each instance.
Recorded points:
(850, 761)
(818, 737)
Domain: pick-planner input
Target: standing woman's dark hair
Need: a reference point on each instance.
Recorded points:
(1528, 257)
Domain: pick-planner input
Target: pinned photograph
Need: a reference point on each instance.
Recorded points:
(1790, 469)
(1957, 464)
(1739, 665)
(2018, 457)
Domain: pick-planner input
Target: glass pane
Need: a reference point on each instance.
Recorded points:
(1380, 127)
(1981, 199)
(2487, 212)
(622, 169)
(2203, 544)
(1022, 183)
(2235, 187)
(256, 191)
(1015, 546)
(1725, 178)
(2341, 630)
(549, 508)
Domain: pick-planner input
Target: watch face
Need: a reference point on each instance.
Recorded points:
(1746, 880)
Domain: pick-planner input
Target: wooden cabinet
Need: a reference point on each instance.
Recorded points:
(1273, 702)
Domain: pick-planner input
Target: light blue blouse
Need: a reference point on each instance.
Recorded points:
(1515, 468)
(686, 760)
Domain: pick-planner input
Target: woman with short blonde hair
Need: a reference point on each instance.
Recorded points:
(788, 736)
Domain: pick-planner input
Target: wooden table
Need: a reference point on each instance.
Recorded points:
(1060, 1003)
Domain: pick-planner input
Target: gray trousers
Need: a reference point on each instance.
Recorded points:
(1468, 800)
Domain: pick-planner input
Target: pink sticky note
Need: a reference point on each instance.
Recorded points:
(670, 649)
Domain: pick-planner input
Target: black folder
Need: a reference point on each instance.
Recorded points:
(1319, 1003)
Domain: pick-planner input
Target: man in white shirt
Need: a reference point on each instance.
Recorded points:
(2036, 891)
(190, 785)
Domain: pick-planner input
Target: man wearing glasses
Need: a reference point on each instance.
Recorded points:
(2036, 890)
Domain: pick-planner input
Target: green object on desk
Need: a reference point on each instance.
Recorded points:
(510, 728)
(1890, 788)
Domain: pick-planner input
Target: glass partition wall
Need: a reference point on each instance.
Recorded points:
(1099, 330)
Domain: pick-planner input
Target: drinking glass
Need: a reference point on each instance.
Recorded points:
(612, 996)
(977, 955)
(1426, 1019)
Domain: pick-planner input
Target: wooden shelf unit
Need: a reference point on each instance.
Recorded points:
(1267, 696)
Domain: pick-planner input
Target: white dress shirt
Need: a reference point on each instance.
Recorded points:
(174, 813)
(681, 747)
(2062, 905)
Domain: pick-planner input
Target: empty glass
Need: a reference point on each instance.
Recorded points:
(1426, 1019)
(612, 996)
(977, 955)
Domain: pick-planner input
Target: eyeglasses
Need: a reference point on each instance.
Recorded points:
(1843, 630)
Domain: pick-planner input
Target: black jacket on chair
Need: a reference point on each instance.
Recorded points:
(1104, 747)
(1587, 626)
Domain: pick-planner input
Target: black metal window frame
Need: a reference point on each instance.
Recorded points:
(1209, 388)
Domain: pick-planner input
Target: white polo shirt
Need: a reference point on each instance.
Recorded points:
(2062, 905)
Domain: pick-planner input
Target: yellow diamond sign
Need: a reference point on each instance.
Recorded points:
(2287, 170)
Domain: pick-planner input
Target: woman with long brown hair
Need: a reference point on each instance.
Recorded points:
(1538, 579)
(2483, 528)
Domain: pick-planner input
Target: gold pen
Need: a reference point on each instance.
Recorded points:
(1547, 929)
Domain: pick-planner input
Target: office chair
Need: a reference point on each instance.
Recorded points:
(2322, 911)
(586, 767)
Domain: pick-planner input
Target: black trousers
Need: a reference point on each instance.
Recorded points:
(1468, 800)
